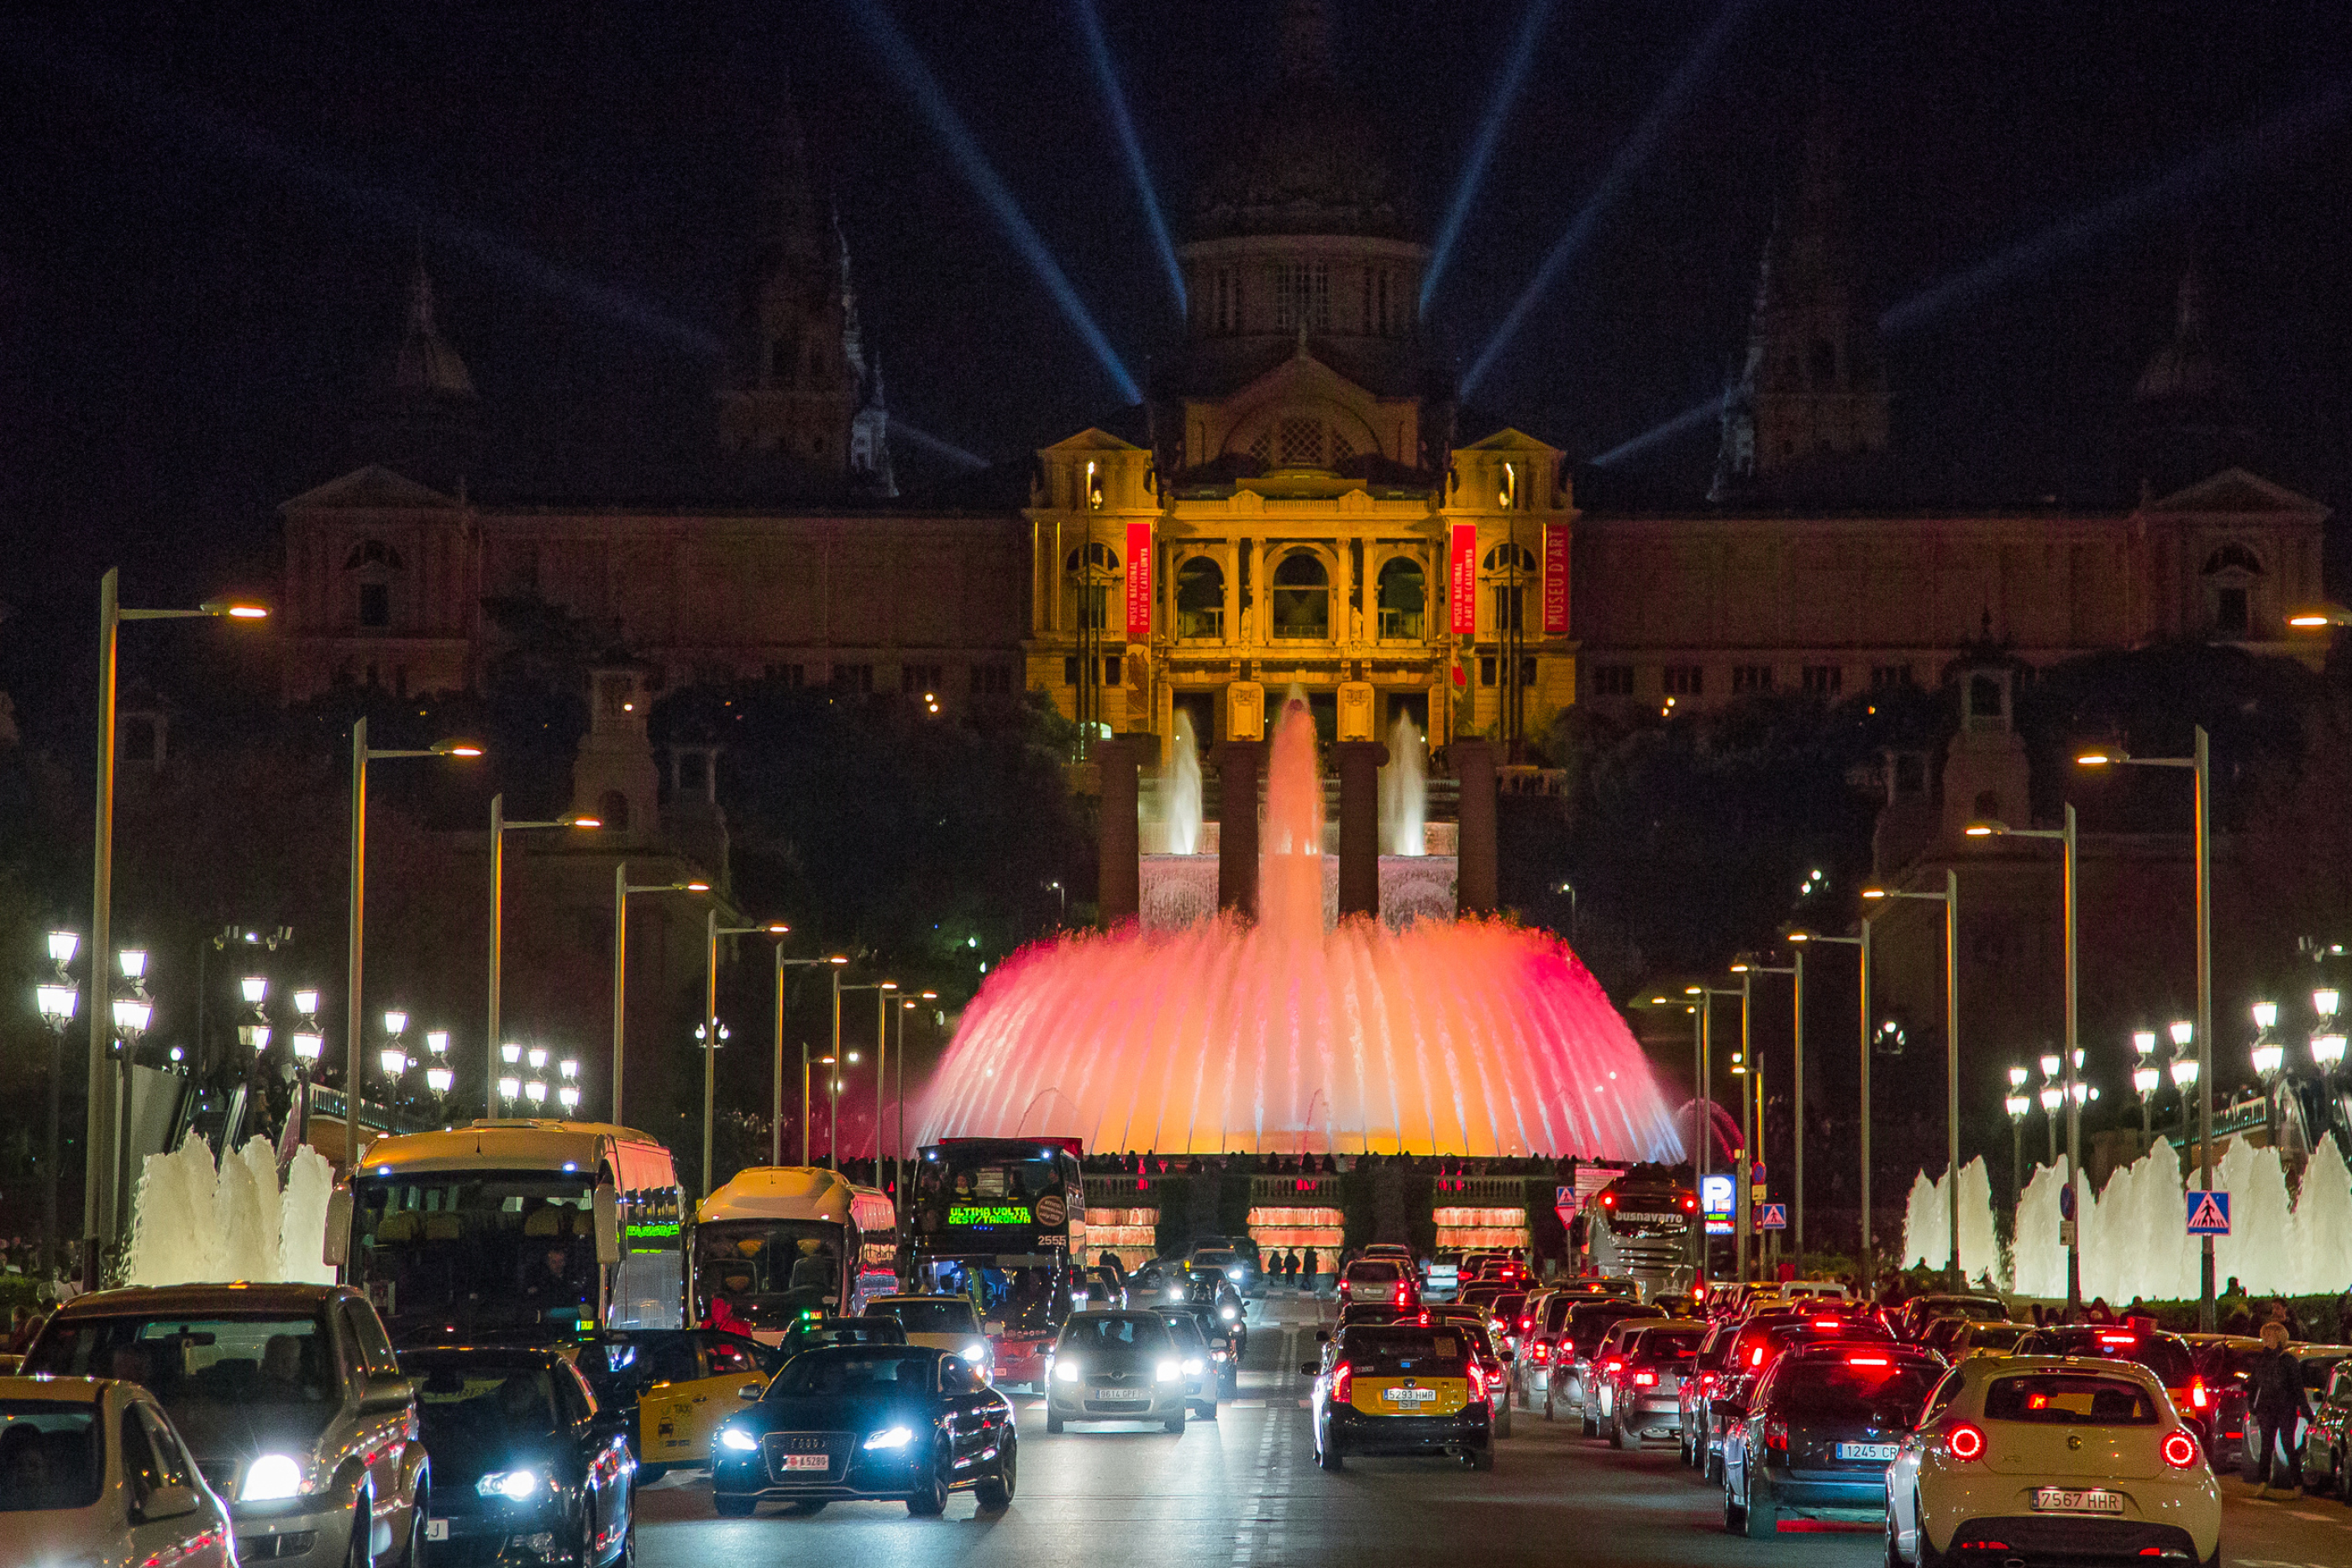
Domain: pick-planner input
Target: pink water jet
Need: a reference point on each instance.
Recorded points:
(1477, 1038)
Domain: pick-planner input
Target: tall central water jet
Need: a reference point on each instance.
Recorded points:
(1179, 788)
(1404, 791)
(1474, 1038)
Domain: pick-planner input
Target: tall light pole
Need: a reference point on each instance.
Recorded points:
(1950, 899)
(2199, 764)
(132, 1014)
(1705, 1003)
(776, 1086)
(713, 932)
(2017, 1104)
(354, 1081)
(1795, 970)
(1800, 939)
(622, 888)
(98, 1199)
(2070, 842)
(500, 828)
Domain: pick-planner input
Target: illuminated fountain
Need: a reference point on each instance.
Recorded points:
(1474, 1038)
(194, 1223)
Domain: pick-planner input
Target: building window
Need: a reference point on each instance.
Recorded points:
(1302, 295)
(1112, 670)
(1403, 596)
(788, 674)
(1302, 597)
(853, 677)
(1686, 680)
(1091, 574)
(920, 679)
(1487, 669)
(376, 605)
(1824, 680)
(1751, 678)
(1199, 599)
(1886, 677)
(2232, 616)
(1527, 672)
(1608, 680)
(991, 680)
(1070, 669)
(1510, 610)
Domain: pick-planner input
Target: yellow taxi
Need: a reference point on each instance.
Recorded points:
(1402, 1388)
(684, 1382)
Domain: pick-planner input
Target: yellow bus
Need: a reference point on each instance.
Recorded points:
(776, 1241)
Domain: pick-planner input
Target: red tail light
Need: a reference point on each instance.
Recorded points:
(1706, 1383)
(1542, 1351)
(1477, 1382)
(1612, 1365)
(2198, 1397)
(1689, 1202)
(1829, 1323)
(1400, 1295)
(1645, 1380)
(1776, 1435)
(2180, 1449)
(1343, 1383)
(2119, 1339)
(1964, 1442)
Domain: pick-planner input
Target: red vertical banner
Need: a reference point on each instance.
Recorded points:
(1555, 579)
(1138, 582)
(1462, 580)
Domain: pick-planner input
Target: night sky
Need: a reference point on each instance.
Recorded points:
(212, 212)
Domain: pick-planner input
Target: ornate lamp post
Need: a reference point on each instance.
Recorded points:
(2326, 1035)
(2017, 1104)
(58, 999)
(2269, 1053)
(510, 1077)
(308, 1045)
(2187, 1071)
(2145, 1079)
(131, 1016)
(567, 1088)
(2053, 1096)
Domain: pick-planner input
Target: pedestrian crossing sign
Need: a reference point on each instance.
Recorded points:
(2208, 1213)
(1772, 1217)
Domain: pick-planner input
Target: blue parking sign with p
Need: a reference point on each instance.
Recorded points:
(2208, 1213)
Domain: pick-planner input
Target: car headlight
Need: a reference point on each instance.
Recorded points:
(1176, 1295)
(272, 1476)
(1167, 1371)
(891, 1438)
(512, 1485)
(976, 1353)
(1192, 1367)
(736, 1439)
(1066, 1372)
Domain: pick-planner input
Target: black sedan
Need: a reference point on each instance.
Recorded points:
(866, 1423)
(523, 1461)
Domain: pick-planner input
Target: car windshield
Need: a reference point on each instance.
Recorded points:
(1873, 1390)
(471, 1398)
(2070, 1399)
(1104, 1331)
(1588, 1324)
(222, 1378)
(854, 1371)
(1398, 1352)
(951, 1315)
(49, 1455)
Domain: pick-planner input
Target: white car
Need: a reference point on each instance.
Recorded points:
(2022, 1455)
(941, 1323)
(92, 1472)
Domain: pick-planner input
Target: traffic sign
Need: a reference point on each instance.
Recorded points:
(2066, 1201)
(1716, 1194)
(1772, 1217)
(2208, 1213)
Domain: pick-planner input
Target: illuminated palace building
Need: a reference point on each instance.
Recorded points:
(1296, 503)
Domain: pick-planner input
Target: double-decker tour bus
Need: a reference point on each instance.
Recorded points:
(1639, 1227)
(778, 1242)
(1004, 1221)
(514, 1228)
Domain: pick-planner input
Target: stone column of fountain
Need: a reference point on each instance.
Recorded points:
(1120, 877)
(1358, 763)
(1237, 763)
(1474, 768)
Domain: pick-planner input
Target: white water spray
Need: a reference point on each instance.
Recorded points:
(192, 1223)
(1179, 788)
(1404, 791)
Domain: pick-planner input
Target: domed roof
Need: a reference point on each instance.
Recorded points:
(2186, 370)
(425, 365)
(1310, 160)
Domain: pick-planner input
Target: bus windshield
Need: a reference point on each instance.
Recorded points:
(998, 1196)
(475, 1247)
(768, 1272)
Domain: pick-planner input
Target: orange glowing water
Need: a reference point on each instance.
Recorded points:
(1477, 1038)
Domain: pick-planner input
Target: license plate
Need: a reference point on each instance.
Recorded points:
(1410, 1395)
(805, 1461)
(436, 1529)
(2059, 1500)
(1121, 1396)
(1868, 1450)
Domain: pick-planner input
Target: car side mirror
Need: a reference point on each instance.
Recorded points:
(383, 1395)
(1509, 1356)
(1308, 1369)
(169, 1502)
(750, 1392)
(336, 1250)
(1322, 1336)
(608, 1225)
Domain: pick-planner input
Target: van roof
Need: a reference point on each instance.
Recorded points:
(528, 1144)
(789, 1192)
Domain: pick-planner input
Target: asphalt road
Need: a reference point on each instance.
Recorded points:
(1244, 1489)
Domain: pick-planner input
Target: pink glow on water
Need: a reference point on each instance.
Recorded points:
(1477, 1038)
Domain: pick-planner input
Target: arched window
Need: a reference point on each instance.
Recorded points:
(1404, 591)
(375, 553)
(1089, 573)
(1510, 569)
(1302, 597)
(1502, 556)
(1200, 599)
(2232, 558)
(2230, 573)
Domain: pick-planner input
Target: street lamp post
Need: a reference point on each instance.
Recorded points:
(362, 755)
(500, 828)
(58, 999)
(1950, 899)
(2144, 1078)
(2053, 1095)
(132, 1014)
(308, 1045)
(2199, 764)
(2017, 1104)
(776, 1085)
(98, 1203)
(622, 888)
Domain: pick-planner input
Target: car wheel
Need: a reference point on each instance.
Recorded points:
(1894, 1552)
(1715, 1469)
(995, 1493)
(1617, 1431)
(628, 1557)
(733, 1507)
(2343, 1480)
(932, 1500)
(1208, 1409)
(357, 1550)
(1329, 1458)
(1735, 1518)
(412, 1555)
(1052, 1421)
(1759, 1515)
(1548, 1401)
(1482, 1458)
(1176, 1424)
(1591, 1426)
(1503, 1420)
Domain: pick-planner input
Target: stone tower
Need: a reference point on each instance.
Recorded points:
(1810, 402)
